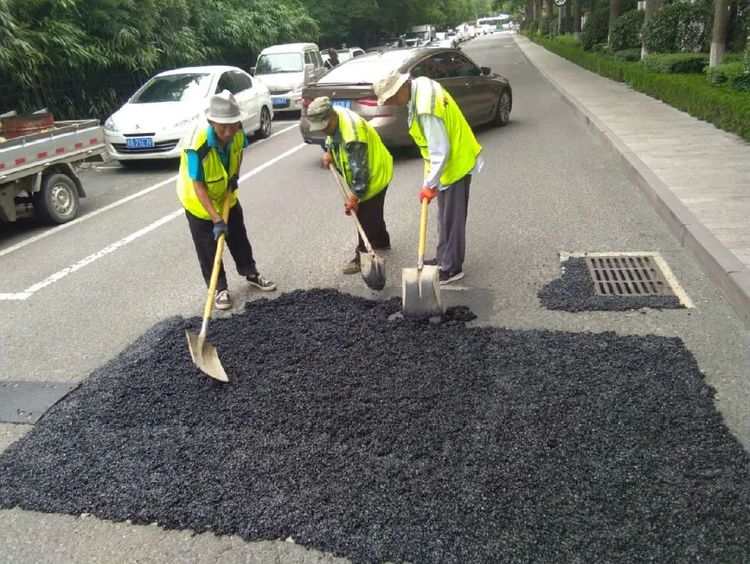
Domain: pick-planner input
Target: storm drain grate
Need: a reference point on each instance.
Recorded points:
(637, 275)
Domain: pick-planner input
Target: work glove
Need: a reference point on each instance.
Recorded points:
(234, 183)
(352, 204)
(427, 193)
(220, 228)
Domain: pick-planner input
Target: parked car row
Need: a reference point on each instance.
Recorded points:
(157, 122)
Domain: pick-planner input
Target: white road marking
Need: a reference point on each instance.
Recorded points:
(111, 206)
(60, 274)
(12, 297)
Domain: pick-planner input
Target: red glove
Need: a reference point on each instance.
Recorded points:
(427, 193)
(352, 204)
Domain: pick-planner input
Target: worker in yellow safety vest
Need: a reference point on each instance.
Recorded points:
(209, 173)
(355, 149)
(451, 153)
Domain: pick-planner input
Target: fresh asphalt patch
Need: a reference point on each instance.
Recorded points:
(574, 292)
(355, 431)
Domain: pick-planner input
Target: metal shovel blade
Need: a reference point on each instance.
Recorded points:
(205, 356)
(373, 270)
(420, 291)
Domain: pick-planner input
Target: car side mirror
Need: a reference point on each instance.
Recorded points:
(486, 70)
(252, 71)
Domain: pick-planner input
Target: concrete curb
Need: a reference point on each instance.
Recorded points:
(723, 268)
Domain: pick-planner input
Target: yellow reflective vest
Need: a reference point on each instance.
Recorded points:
(431, 98)
(354, 128)
(216, 177)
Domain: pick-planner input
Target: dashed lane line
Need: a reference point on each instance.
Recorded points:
(108, 207)
(60, 274)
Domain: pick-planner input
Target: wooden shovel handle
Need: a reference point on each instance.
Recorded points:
(352, 212)
(422, 233)
(217, 260)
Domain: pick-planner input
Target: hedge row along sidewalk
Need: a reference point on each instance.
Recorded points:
(726, 109)
(696, 176)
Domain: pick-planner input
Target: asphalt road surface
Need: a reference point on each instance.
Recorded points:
(74, 297)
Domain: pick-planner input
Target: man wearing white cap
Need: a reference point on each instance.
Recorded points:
(451, 155)
(357, 152)
(209, 172)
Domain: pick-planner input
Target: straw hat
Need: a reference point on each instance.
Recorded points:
(388, 85)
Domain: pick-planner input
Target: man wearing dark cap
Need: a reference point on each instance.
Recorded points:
(209, 173)
(357, 152)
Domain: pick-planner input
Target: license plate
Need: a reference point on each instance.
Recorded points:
(139, 142)
(342, 103)
(280, 101)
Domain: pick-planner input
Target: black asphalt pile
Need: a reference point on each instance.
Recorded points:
(397, 440)
(574, 292)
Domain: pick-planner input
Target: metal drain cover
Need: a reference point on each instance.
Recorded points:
(629, 275)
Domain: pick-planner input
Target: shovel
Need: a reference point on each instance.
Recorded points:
(371, 265)
(204, 354)
(420, 287)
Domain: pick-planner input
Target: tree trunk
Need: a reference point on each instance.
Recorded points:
(550, 15)
(529, 12)
(577, 17)
(538, 4)
(719, 35)
(615, 7)
(651, 7)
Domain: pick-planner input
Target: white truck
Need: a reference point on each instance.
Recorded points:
(419, 35)
(37, 170)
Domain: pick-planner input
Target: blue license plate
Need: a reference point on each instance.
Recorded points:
(280, 101)
(342, 103)
(139, 142)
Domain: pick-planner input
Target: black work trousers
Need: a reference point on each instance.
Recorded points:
(236, 240)
(370, 215)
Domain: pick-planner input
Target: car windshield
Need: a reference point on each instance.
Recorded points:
(279, 62)
(174, 88)
(366, 68)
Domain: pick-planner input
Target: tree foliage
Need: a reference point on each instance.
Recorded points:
(682, 26)
(625, 33)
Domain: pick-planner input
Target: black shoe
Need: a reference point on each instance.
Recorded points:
(261, 283)
(448, 277)
(222, 299)
(384, 248)
(430, 262)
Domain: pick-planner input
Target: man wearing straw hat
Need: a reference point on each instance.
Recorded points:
(357, 152)
(209, 172)
(451, 155)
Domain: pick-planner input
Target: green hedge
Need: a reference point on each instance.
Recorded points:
(676, 62)
(691, 93)
(627, 55)
(724, 73)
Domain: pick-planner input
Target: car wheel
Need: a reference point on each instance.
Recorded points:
(502, 112)
(265, 124)
(57, 201)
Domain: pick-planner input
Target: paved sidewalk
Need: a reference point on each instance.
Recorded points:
(697, 176)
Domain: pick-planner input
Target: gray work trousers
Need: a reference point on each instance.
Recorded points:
(453, 205)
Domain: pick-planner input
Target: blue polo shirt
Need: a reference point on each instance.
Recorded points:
(195, 165)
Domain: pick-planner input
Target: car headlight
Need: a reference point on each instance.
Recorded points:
(110, 125)
(188, 121)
